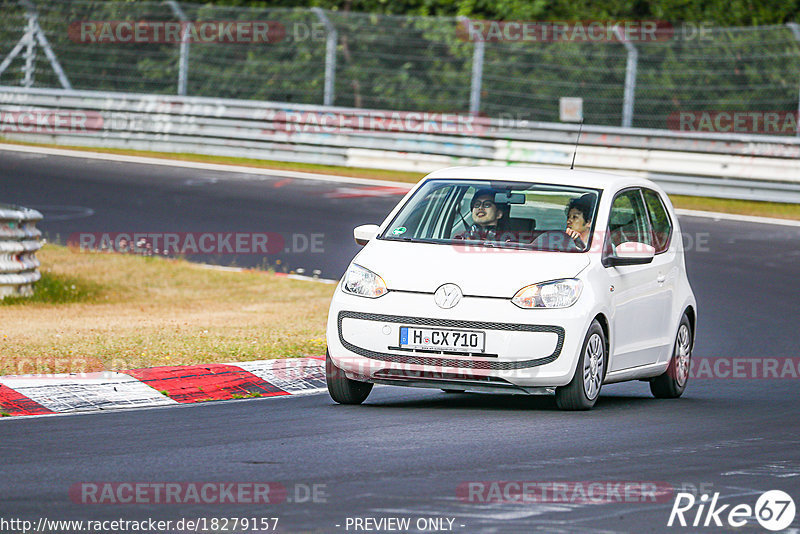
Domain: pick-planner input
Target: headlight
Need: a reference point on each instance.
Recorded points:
(558, 294)
(363, 282)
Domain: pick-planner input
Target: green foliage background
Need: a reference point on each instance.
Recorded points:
(407, 55)
(718, 12)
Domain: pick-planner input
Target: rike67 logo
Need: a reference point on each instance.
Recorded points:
(774, 510)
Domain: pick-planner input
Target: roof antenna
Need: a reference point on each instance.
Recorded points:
(578, 140)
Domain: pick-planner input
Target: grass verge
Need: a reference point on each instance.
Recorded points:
(775, 210)
(739, 207)
(95, 311)
(57, 288)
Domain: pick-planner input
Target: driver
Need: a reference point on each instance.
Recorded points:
(486, 215)
(579, 219)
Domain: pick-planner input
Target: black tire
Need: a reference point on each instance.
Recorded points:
(574, 396)
(672, 383)
(342, 389)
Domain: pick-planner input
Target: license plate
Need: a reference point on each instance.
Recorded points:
(442, 339)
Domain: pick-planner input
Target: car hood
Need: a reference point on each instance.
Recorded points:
(477, 270)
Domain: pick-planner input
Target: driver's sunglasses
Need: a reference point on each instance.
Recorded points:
(484, 204)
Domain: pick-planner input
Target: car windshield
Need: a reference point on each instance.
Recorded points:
(498, 213)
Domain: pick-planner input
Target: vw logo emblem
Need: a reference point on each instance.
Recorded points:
(447, 296)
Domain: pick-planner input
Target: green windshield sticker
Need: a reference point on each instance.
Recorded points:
(399, 231)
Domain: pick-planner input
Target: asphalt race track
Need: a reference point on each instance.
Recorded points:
(79, 195)
(409, 453)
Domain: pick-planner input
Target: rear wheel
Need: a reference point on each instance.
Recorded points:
(584, 388)
(342, 389)
(672, 383)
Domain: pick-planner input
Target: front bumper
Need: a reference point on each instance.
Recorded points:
(525, 349)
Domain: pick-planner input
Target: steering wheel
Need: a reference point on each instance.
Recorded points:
(558, 240)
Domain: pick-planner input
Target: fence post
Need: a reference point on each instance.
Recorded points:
(11, 55)
(630, 79)
(183, 61)
(330, 56)
(796, 32)
(38, 33)
(30, 50)
(477, 70)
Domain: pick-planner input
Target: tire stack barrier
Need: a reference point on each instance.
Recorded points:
(19, 241)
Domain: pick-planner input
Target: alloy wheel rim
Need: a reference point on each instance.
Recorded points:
(682, 355)
(593, 364)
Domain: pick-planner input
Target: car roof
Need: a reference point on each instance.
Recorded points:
(549, 175)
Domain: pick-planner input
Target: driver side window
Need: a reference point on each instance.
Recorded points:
(463, 213)
(628, 220)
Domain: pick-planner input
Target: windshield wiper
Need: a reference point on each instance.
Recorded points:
(405, 239)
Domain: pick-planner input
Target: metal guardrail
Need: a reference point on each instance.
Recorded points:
(19, 241)
(752, 167)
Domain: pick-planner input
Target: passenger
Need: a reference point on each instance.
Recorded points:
(486, 215)
(579, 220)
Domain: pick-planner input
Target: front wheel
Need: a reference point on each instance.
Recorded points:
(342, 389)
(584, 388)
(672, 383)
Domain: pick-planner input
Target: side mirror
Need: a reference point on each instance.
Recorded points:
(630, 253)
(365, 233)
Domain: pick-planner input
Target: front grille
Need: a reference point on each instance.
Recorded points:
(472, 363)
(449, 352)
(427, 375)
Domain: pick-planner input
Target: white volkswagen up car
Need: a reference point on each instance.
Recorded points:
(519, 280)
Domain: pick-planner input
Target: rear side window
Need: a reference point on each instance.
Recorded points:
(628, 219)
(662, 226)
